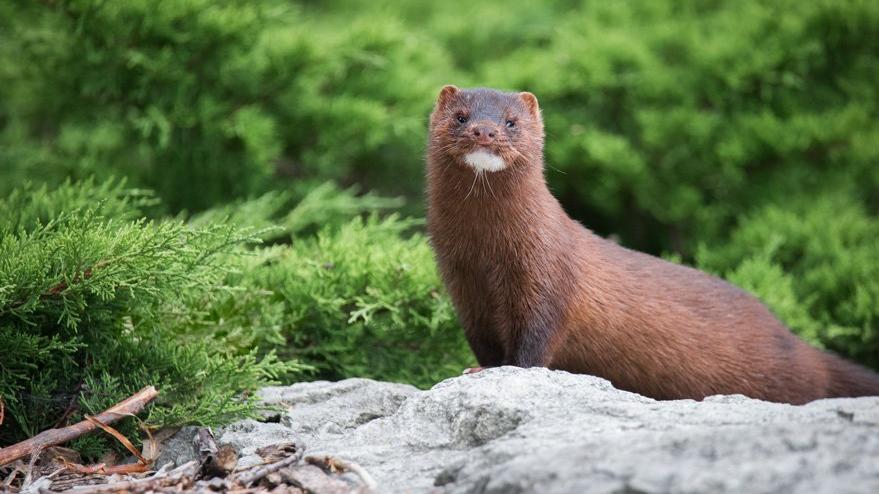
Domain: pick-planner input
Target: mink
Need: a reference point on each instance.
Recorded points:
(533, 287)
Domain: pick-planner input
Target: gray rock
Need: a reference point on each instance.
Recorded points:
(179, 448)
(511, 430)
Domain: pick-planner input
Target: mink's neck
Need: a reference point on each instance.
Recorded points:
(497, 212)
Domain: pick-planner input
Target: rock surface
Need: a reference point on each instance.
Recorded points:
(510, 430)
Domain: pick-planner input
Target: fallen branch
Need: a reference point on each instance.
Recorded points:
(28, 478)
(68, 480)
(53, 437)
(104, 469)
(184, 474)
(332, 464)
(250, 476)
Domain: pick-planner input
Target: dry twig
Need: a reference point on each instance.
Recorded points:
(104, 469)
(28, 477)
(52, 437)
(250, 476)
(332, 464)
(12, 476)
(180, 476)
(119, 437)
(69, 480)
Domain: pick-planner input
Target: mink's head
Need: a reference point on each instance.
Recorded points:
(486, 130)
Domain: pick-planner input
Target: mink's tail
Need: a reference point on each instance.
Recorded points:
(849, 380)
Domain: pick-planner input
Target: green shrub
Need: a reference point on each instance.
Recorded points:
(205, 101)
(359, 300)
(279, 216)
(95, 305)
(669, 119)
(665, 119)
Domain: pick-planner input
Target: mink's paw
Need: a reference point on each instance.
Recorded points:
(472, 370)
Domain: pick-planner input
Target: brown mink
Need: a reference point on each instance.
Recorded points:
(532, 287)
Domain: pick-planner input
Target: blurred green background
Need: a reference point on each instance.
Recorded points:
(737, 136)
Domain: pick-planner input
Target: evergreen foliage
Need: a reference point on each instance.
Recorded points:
(278, 215)
(95, 305)
(356, 297)
(666, 119)
(221, 94)
(365, 300)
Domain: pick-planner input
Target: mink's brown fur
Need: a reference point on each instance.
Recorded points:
(533, 287)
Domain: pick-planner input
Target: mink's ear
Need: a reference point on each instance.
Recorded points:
(530, 102)
(446, 95)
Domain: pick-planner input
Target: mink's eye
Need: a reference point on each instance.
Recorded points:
(510, 124)
(462, 119)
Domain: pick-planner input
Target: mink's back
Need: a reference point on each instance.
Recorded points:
(671, 331)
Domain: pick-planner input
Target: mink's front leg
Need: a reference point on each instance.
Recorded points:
(534, 333)
(488, 352)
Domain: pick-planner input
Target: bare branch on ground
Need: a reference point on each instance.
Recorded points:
(53, 437)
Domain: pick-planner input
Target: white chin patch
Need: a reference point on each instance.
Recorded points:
(483, 161)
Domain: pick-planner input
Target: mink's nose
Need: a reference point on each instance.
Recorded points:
(484, 134)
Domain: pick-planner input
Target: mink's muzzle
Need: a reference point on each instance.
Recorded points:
(483, 133)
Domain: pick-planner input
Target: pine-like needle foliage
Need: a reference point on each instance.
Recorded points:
(96, 302)
(95, 305)
(348, 292)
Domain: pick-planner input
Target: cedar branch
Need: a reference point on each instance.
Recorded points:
(53, 437)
